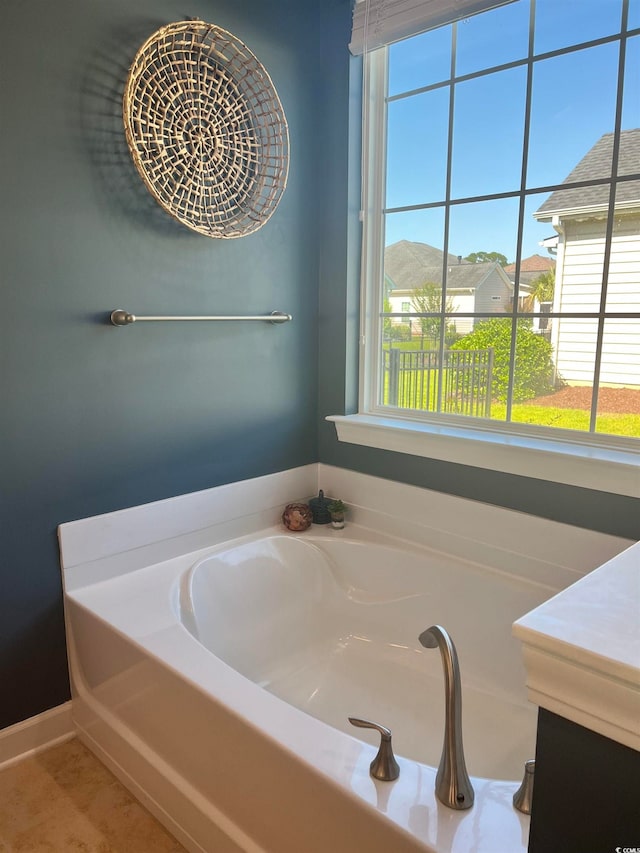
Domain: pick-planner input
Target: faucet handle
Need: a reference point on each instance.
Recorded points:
(523, 797)
(384, 766)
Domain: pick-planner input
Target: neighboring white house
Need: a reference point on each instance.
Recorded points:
(579, 216)
(408, 266)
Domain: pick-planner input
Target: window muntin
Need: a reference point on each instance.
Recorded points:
(568, 22)
(579, 110)
(461, 215)
(417, 162)
(495, 38)
(631, 98)
(423, 60)
(502, 136)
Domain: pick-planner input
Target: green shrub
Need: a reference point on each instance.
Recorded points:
(451, 336)
(534, 369)
(399, 332)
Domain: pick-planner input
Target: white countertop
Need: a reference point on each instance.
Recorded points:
(582, 650)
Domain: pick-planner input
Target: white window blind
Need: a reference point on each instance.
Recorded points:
(379, 22)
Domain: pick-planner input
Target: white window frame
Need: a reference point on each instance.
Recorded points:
(594, 461)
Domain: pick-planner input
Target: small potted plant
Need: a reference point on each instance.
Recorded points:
(337, 511)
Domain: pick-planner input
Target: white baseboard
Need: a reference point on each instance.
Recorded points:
(35, 734)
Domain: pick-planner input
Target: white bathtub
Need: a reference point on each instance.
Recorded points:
(191, 677)
(330, 625)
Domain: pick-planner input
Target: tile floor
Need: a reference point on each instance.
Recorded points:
(64, 800)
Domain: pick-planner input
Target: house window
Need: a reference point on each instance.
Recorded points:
(502, 201)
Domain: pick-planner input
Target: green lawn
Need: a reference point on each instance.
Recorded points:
(412, 396)
(578, 419)
(411, 345)
(612, 424)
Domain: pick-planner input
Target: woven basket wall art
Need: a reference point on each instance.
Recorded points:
(206, 129)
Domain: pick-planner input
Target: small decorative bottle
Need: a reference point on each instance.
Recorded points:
(320, 509)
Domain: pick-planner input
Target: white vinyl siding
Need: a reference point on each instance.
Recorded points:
(579, 284)
(463, 302)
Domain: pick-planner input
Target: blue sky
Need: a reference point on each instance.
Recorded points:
(573, 104)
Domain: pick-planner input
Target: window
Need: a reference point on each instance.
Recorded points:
(502, 204)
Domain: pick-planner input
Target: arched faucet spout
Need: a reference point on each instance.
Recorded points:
(453, 786)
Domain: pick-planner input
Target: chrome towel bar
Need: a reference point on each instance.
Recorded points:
(124, 318)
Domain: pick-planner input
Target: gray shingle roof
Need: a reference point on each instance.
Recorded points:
(410, 265)
(597, 164)
(405, 260)
(459, 275)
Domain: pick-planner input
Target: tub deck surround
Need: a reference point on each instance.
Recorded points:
(184, 521)
(535, 548)
(220, 761)
(582, 650)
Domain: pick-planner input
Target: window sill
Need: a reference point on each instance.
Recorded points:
(590, 466)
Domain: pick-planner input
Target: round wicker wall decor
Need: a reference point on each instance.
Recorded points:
(206, 129)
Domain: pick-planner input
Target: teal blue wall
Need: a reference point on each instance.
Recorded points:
(96, 418)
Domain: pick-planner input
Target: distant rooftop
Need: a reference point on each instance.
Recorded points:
(531, 268)
(597, 164)
(534, 263)
(409, 265)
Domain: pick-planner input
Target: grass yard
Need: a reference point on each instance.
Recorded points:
(611, 423)
(420, 393)
(608, 422)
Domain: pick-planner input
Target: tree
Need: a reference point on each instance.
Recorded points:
(392, 330)
(487, 257)
(427, 300)
(534, 369)
(386, 323)
(542, 289)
